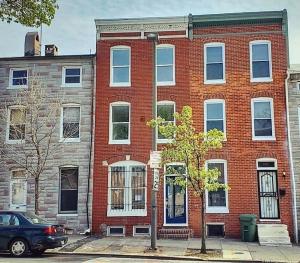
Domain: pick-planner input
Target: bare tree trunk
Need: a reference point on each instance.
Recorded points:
(36, 195)
(203, 224)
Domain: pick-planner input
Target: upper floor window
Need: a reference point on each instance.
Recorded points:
(16, 125)
(18, 78)
(262, 119)
(214, 115)
(165, 110)
(72, 76)
(261, 61)
(119, 128)
(120, 66)
(214, 63)
(165, 65)
(70, 123)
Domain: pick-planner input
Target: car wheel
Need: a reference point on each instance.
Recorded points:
(18, 247)
(38, 251)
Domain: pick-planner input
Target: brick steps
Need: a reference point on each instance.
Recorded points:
(175, 233)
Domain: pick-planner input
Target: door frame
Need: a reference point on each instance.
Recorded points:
(20, 207)
(186, 199)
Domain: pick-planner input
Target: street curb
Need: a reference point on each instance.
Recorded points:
(153, 257)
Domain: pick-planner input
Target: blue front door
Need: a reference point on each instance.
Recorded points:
(175, 200)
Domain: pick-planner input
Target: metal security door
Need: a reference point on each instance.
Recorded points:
(268, 195)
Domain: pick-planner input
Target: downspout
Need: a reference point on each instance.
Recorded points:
(293, 184)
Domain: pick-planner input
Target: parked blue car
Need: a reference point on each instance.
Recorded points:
(22, 232)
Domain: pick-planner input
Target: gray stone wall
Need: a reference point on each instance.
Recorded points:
(68, 153)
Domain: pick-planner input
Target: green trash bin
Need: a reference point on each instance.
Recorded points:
(248, 227)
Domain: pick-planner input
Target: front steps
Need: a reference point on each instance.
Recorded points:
(273, 235)
(174, 233)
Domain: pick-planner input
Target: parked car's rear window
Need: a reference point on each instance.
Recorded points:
(34, 219)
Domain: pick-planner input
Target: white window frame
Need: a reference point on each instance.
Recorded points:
(215, 101)
(115, 235)
(118, 103)
(265, 79)
(20, 207)
(11, 86)
(165, 83)
(119, 84)
(8, 141)
(71, 85)
(266, 160)
(263, 138)
(69, 105)
(299, 120)
(132, 212)
(141, 226)
(160, 103)
(218, 209)
(216, 81)
(298, 85)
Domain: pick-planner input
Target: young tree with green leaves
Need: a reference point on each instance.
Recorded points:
(31, 13)
(191, 147)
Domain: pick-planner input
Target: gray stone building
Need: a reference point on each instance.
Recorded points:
(65, 184)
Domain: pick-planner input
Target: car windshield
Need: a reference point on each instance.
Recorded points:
(34, 219)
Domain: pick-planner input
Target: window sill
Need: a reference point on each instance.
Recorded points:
(254, 80)
(69, 140)
(217, 210)
(211, 82)
(17, 87)
(15, 142)
(185, 224)
(120, 85)
(67, 214)
(71, 86)
(158, 141)
(112, 213)
(172, 83)
(119, 142)
(264, 139)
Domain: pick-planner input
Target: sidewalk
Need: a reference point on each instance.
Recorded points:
(219, 249)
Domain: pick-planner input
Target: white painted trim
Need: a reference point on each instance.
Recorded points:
(120, 84)
(266, 160)
(69, 105)
(111, 140)
(70, 85)
(140, 37)
(66, 215)
(215, 224)
(23, 206)
(257, 42)
(141, 226)
(7, 140)
(218, 209)
(10, 85)
(215, 101)
(186, 197)
(159, 103)
(216, 81)
(165, 83)
(115, 235)
(263, 138)
(269, 220)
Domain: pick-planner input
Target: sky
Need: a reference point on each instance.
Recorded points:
(73, 28)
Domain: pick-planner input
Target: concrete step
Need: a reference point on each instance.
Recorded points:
(273, 235)
(174, 233)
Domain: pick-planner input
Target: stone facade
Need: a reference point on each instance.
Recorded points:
(75, 154)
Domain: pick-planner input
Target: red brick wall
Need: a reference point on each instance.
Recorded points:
(239, 149)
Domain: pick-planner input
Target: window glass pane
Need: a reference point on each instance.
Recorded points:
(164, 56)
(71, 114)
(17, 116)
(261, 69)
(214, 111)
(118, 177)
(73, 79)
(175, 169)
(120, 74)
(210, 125)
(17, 132)
(121, 57)
(164, 73)
(71, 119)
(214, 55)
(18, 192)
(69, 178)
(120, 131)
(166, 112)
(262, 110)
(120, 113)
(68, 200)
(73, 71)
(263, 127)
(21, 81)
(260, 52)
(18, 174)
(68, 189)
(214, 71)
(20, 74)
(267, 164)
(220, 167)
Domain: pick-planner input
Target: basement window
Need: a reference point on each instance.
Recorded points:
(118, 231)
(215, 230)
(141, 230)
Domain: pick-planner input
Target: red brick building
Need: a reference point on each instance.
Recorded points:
(231, 69)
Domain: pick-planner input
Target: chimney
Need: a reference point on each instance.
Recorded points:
(32, 44)
(51, 50)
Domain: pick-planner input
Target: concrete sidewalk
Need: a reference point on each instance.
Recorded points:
(218, 248)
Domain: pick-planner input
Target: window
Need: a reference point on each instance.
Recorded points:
(215, 230)
(141, 230)
(214, 114)
(298, 86)
(116, 231)
(9, 220)
(70, 125)
(165, 66)
(165, 110)
(119, 123)
(214, 64)
(18, 78)
(127, 189)
(18, 190)
(16, 125)
(120, 66)
(68, 200)
(266, 164)
(262, 119)
(261, 61)
(72, 76)
(217, 201)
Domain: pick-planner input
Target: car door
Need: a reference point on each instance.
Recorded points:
(9, 227)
